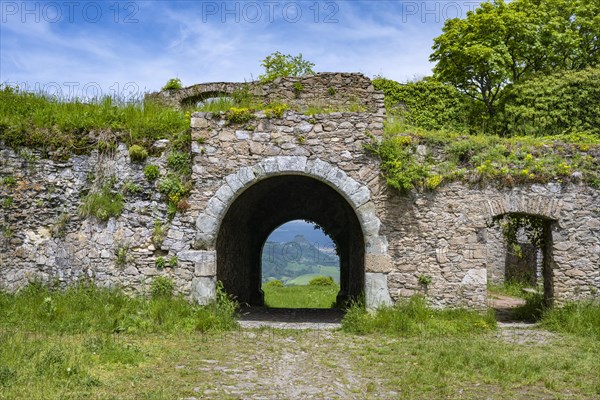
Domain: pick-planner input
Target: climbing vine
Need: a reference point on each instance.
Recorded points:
(511, 225)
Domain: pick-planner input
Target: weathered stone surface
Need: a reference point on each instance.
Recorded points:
(443, 234)
(376, 290)
(378, 263)
(204, 290)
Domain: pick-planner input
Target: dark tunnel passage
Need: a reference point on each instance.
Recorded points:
(268, 204)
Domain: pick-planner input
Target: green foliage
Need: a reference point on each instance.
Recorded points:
(60, 127)
(427, 104)
(174, 190)
(275, 110)
(424, 280)
(158, 233)
(483, 158)
(503, 43)
(399, 166)
(160, 262)
(414, 317)
(122, 256)
(130, 188)
(322, 281)
(179, 162)
(137, 153)
(281, 65)
(173, 261)
(239, 115)
(151, 172)
(533, 227)
(512, 288)
(298, 88)
(577, 318)
(9, 181)
(7, 202)
(534, 308)
(59, 228)
(161, 287)
(102, 205)
(172, 84)
(274, 283)
(564, 102)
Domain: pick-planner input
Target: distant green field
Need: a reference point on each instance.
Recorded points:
(319, 271)
(300, 296)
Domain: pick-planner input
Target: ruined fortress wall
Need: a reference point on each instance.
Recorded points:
(444, 235)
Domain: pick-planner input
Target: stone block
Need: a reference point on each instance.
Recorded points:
(376, 290)
(378, 263)
(204, 290)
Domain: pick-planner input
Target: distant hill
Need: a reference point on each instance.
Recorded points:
(293, 261)
(288, 231)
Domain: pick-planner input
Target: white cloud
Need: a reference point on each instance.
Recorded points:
(171, 39)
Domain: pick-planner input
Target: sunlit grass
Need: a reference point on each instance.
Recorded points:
(300, 296)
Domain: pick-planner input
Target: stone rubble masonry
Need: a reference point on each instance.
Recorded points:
(445, 234)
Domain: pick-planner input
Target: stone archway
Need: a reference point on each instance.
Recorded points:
(266, 205)
(255, 200)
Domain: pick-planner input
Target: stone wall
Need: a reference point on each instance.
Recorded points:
(46, 199)
(334, 90)
(443, 236)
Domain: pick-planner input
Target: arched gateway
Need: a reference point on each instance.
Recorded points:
(255, 200)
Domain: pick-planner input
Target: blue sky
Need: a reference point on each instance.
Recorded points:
(119, 47)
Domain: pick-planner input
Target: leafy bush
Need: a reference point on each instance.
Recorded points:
(173, 188)
(161, 287)
(426, 103)
(102, 205)
(280, 65)
(322, 281)
(554, 104)
(137, 153)
(151, 172)
(172, 84)
(274, 283)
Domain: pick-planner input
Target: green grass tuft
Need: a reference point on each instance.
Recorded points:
(86, 308)
(414, 317)
(300, 296)
(61, 126)
(582, 319)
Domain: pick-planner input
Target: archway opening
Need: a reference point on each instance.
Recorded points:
(268, 204)
(528, 266)
(300, 267)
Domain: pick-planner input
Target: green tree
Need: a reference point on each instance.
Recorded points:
(503, 43)
(278, 65)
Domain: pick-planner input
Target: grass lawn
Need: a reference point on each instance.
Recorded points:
(300, 296)
(293, 364)
(90, 343)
